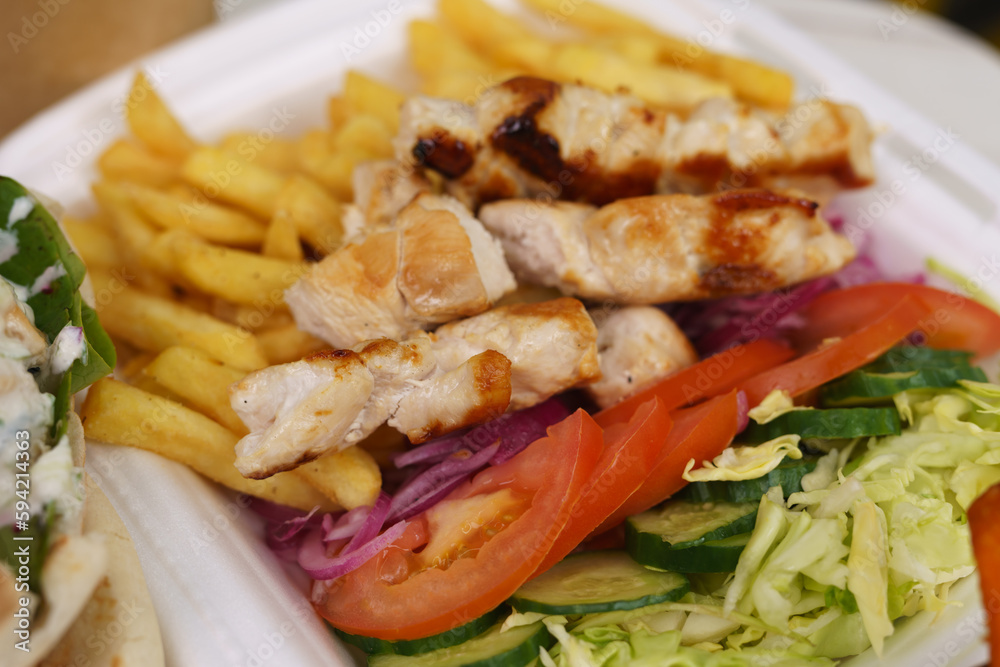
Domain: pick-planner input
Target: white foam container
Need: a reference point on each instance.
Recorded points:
(222, 598)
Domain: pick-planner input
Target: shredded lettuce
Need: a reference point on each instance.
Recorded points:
(747, 462)
(877, 533)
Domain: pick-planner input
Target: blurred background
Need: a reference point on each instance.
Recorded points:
(939, 56)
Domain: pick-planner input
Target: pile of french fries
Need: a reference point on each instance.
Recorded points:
(193, 245)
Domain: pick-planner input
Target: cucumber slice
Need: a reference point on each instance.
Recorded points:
(680, 524)
(911, 358)
(861, 387)
(452, 637)
(827, 424)
(788, 475)
(713, 556)
(595, 582)
(515, 648)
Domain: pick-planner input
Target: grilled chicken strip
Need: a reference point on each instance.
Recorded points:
(638, 345)
(382, 188)
(435, 263)
(529, 136)
(427, 385)
(668, 247)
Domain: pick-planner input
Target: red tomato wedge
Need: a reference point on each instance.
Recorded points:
(629, 452)
(809, 371)
(699, 433)
(984, 520)
(709, 377)
(954, 323)
(471, 551)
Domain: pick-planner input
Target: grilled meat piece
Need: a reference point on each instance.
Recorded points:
(668, 247)
(427, 385)
(435, 263)
(529, 136)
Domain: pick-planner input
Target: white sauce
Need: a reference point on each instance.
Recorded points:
(44, 281)
(8, 245)
(20, 210)
(66, 348)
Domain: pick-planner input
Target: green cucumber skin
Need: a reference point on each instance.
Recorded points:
(860, 387)
(715, 556)
(672, 586)
(518, 656)
(788, 475)
(912, 358)
(742, 522)
(833, 423)
(453, 637)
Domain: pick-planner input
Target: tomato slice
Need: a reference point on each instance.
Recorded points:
(629, 452)
(833, 360)
(955, 322)
(470, 552)
(710, 377)
(699, 433)
(984, 521)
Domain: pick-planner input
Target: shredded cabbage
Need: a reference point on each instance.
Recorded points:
(827, 571)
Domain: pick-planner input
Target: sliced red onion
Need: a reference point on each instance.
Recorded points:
(432, 452)
(524, 427)
(742, 411)
(430, 501)
(372, 524)
(313, 559)
(416, 491)
(346, 525)
(290, 528)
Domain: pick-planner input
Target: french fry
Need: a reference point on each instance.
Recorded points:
(131, 370)
(211, 221)
(351, 477)
(118, 414)
(282, 240)
(221, 175)
(153, 123)
(336, 113)
(135, 238)
(659, 85)
(434, 47)
(482, 26)
(749, 80)
(313, 212)
(384, 444)
(275, 153)
(466, 87)
(287, 343)
(153, 324)
(364, 94)
(126, 161)
(334, 170)
(200, 380)
(253, 318)
(235, 275)
(94, 243)
(365, 132)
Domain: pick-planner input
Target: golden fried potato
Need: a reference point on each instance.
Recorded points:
(221, 175)
(235, 275)
(351, 477)
(211, 221)
(201, 380)
(364, 132)
(118, 414)
(314, 213)
(286, 343)
(153, 324)
(282, 240)
(434, 48)
(365, 95)
(95, 244)
(153, 123)
(126, 161)
(272, 152)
